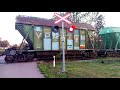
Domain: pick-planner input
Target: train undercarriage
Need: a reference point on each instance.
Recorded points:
(13, 56)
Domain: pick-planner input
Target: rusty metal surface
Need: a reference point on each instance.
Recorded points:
(19, 70)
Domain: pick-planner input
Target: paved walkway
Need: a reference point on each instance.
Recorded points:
(2, 61)
(19, 70)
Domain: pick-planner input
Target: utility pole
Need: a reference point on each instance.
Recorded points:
(63, 48)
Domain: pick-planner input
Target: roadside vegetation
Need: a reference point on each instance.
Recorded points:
(98, 68)
(1, 51)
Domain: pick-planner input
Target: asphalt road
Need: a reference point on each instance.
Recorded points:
(2, 60)
(19, 70)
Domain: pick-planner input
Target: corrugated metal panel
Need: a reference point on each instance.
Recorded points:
(47, 38)
(82, 39)
(76, 39)
(38, 38)
(55, 41)
(69, 40)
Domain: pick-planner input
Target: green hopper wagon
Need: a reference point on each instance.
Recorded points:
(44, 43)
(110, 38)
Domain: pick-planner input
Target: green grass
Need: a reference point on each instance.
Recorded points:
(99, 68)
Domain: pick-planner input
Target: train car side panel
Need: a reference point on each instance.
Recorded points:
(47, 38)
(82, 39)
(76, 39)
(38, 38)
(55, 41)
(28, 29)
(69, 40)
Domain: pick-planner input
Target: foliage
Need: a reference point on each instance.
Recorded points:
(81, 17)
(1, 50)
(4, 43)
(99, 23)
(86, 17)
(15, 46)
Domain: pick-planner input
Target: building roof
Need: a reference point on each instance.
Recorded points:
(50, 22)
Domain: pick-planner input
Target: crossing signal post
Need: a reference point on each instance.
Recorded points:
(63, 37)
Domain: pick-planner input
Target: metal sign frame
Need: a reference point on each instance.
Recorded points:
(63, 37)
(62, 18)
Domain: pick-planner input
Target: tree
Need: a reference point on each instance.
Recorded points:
(93, 18)
(99, 23)
(81, 17)
(4, 43)
(15, 45)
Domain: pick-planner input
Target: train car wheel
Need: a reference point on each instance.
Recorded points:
(30, 57)
(21, 58)
(9, 59)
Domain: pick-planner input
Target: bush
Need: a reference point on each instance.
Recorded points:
(1, 51)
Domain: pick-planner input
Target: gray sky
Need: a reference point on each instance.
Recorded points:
(7, 23)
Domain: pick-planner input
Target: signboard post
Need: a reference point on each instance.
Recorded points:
(63, 50)
(63, 37)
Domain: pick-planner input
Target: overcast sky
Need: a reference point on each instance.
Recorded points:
(7, 23)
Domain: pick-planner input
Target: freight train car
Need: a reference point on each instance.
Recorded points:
(110, 44)
(44, 43)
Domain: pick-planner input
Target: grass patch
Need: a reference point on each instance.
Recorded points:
(98, 68)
